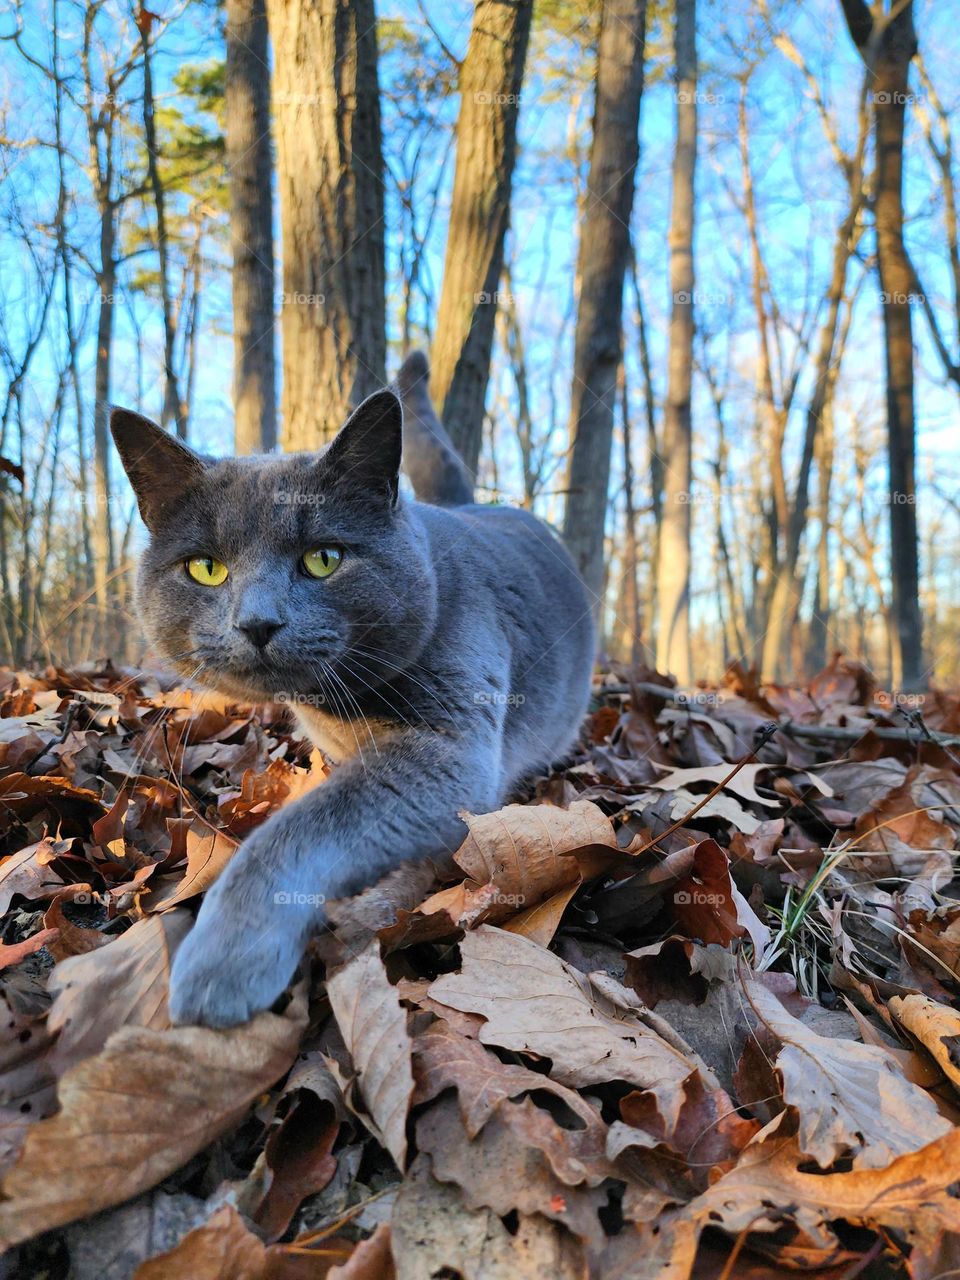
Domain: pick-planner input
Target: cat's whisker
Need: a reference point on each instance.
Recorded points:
(352, 701)
(378, 656)
(341, 715)
(180, 776)
(377, 691)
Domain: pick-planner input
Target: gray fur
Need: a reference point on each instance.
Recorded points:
(447, 659)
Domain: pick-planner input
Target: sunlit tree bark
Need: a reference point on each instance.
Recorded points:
(330, 184)
(490, 92)
(250, 167)
(673, 567)
(603, 256)
(887, 42)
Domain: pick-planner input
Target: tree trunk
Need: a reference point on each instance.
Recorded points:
(788, 589)
(821, 622)
(490, 81)
(330, 183)
(602, 260)
(250, 166)
(172, 408)
(887, 44)
(673, 567)
(631, 561)
(103, 557)
(655, 457)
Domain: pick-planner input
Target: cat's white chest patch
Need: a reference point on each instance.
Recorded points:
(340, 739)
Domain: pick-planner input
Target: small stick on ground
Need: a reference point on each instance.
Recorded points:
(763, 737)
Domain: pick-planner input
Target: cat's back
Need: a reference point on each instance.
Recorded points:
(505, 545)
(505, 575)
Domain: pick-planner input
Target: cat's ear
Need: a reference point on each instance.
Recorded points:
(365, 452)
(159, 467)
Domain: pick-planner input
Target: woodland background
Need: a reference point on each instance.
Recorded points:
(674, 301)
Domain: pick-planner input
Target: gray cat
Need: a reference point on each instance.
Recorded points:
(438, 653)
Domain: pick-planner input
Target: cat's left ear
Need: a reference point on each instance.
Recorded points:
(159, 467)
(365, 452)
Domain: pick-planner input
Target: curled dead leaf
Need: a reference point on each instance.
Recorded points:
(936, 1026)
(373, 1024)
(139, 1109)
(850, 1098)
(533, 1002)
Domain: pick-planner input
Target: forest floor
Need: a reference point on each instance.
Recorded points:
(667, 1017)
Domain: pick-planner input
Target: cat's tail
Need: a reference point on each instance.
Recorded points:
(437, 472)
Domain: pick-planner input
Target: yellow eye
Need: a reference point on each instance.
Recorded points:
(322, 561)
(207, 571)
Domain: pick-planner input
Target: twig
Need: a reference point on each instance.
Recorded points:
(57, 741)
(786, 725)
(763, 737)
(915, 719)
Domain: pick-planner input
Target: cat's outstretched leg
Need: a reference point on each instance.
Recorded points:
(256, 920)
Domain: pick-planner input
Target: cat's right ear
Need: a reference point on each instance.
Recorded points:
(159, 467)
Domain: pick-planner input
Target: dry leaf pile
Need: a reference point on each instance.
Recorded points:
(660, 1018)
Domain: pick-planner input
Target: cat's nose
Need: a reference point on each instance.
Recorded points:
(259, 630)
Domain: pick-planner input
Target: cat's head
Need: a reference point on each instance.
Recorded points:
(263, 573)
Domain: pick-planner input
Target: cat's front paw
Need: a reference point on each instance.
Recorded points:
(225, 971)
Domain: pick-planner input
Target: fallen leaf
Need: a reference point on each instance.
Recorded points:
(71, 939)
(709, 907)
(138, 1110)
(123, 985)
(208, 852)
(298, 1155)
(509, 1166)
(444, 1060)
(535, 1003)
(681, 803)
(936, 1026)
(28, 873)
(913, 1196)
(850, 1099)
(524, 850)
(743, 782)
(223, 1248)
(370, 1260)
(434, 1234)
(373, 1024)
(13, 953)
